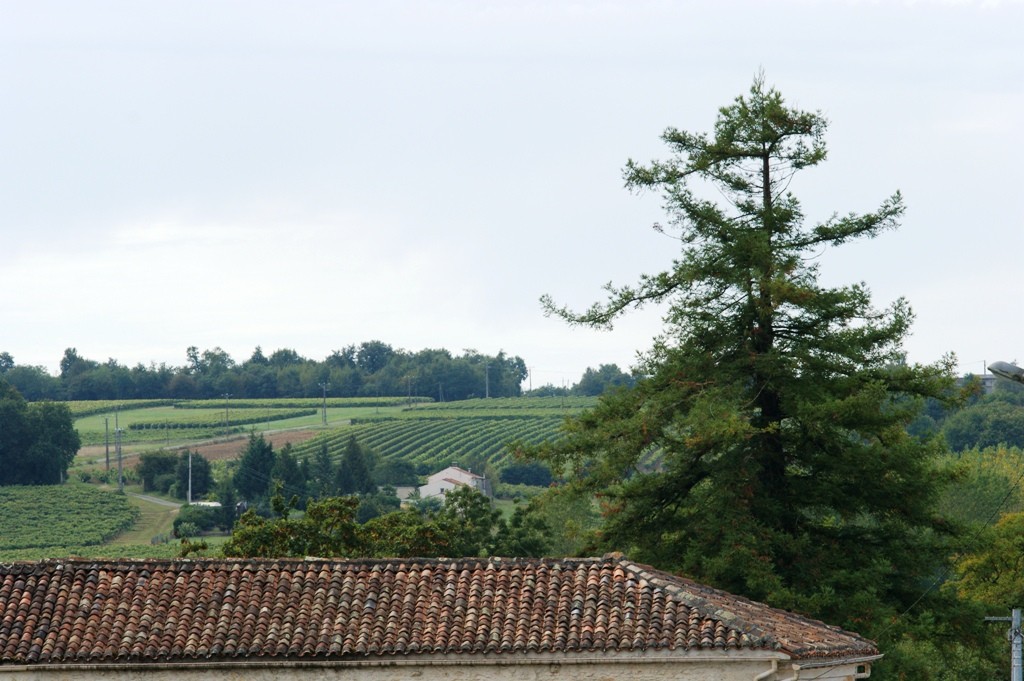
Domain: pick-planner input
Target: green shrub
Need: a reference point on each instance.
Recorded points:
(202, 518)
(162, 483)
(185, 530)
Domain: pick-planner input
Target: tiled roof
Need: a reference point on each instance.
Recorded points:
(62, 612)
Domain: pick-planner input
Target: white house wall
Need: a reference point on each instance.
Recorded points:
(698, 670)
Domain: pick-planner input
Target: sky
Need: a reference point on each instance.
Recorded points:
(316, 174)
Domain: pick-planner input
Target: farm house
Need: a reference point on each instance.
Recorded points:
(452, 477)
(464, 619)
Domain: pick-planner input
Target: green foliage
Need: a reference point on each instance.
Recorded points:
(525, 534)
(987, 423)
(202, 518)
(328, 529)
(432, 443)
(505, 407)
(779, 406)
(157, 465)
(406, 532)
(526, 473)
(353, 472)
(37, 441)
(372, 370)
(301, 403)
(987, 485)
(202, 476)
(287, 473)
(376, 504)
(80, 408)
(322, 472)
(225, 494)
(992, 573)
(465, 525)
(184, 530)
(159, 551)
(395, 472)
(607, 376)
(573, 519)
(254, 473)
(40, 516)
(210, 418)
(469, 522)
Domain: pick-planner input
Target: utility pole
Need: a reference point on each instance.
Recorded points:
(120, 468)
(487, 380)
(1016, 643)
(227, 415)
(117, 449)
(324, 386)
(106, 439)
(190, 476)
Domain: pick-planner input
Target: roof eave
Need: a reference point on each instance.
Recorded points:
(424, 660)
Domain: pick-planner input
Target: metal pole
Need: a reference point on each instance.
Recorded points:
(1016, 643)
(1016, 647)
(106, 439)
(325, 386)
(117, 448)
(227, 415)
(190, 476)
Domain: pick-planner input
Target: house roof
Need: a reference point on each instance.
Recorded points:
(68, 612)
(457, 469)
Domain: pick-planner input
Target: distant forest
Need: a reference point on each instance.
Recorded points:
(370, 369)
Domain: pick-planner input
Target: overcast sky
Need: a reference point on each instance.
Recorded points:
(315, 174)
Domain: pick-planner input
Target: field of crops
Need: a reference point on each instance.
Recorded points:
(428, 434)
(510, 405)
(304, 402)
(107, 551)
(434, 443)
(36, 517)
(82, 408)
(169, 423)
(208, 418)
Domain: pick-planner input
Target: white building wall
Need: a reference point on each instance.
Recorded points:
(698, 670)
(443, 481)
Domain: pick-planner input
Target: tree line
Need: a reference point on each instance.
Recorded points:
(988, 418)
(371, 369)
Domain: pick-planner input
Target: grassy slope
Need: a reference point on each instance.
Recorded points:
(154, 519)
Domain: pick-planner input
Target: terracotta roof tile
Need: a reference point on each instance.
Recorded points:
(165, 611)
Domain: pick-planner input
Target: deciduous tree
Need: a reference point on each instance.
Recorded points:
(37, 441)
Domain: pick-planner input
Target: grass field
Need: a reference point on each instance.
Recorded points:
(154, 519)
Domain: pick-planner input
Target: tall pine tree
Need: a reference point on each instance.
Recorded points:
(353, 473)
(766, 452)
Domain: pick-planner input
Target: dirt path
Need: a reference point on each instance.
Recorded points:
(156, 516)
(155, 500)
